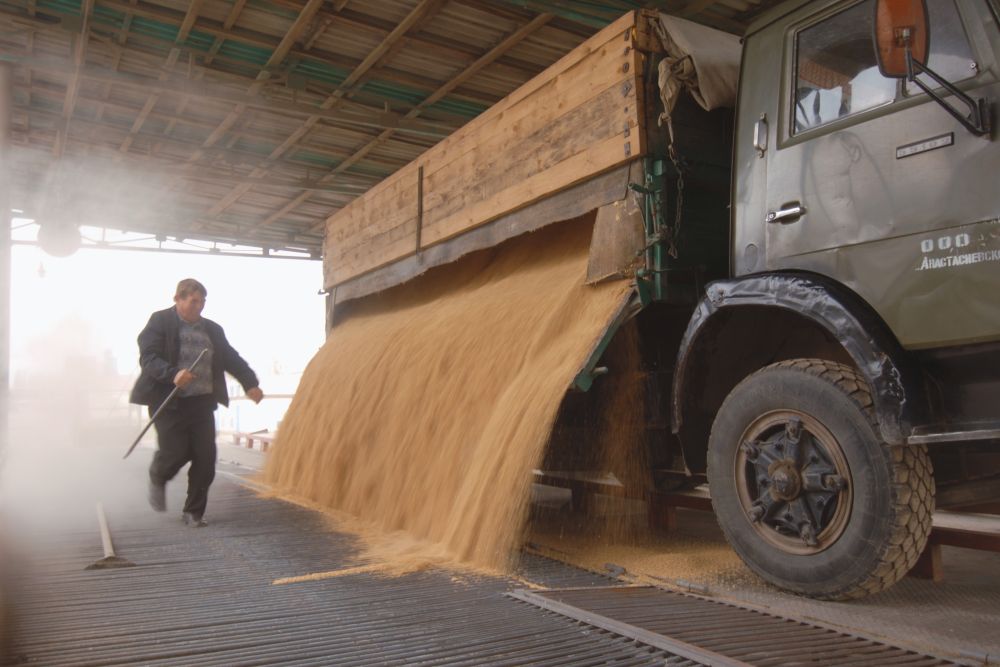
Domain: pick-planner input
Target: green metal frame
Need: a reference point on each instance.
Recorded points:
(649, 279)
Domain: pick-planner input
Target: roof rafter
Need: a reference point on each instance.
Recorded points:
(229, 156)
(259, 40)
(79, 58)
(419, 13)
(192, 13)
(357, 115)
(505, 45)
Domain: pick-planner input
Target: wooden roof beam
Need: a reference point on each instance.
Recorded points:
(417, 14)
(278, 55)
(213, 28)
(390, 76)
(223, 231)
(172, 120)
(505, 45)
(372, 118)
(79, 58)
(300, 24)
(230, 21)
(102, 157)
(122, 39)
(324, 23)
(694, 7)
(189, 18)
(227, 25)
(231, 156)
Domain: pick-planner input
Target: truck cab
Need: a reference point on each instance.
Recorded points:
(848, 369)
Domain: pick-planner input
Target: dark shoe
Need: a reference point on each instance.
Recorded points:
(191, 520)
(157, 496)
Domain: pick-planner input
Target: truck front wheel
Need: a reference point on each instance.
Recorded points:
(805, 489)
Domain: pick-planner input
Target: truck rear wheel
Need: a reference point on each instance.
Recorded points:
(805, 489)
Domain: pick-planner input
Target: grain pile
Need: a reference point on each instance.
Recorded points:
(426, 410)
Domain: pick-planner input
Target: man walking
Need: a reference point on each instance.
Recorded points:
(185, 431)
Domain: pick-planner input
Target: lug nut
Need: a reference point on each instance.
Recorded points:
(793, 429)
(835, 482)
(808, 534)
(756, 513)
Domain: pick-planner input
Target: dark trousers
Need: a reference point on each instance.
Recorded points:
(186, 432)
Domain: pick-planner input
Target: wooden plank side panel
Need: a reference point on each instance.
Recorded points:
(385, 233)
(517, 177)
(523, 148)
(473, 132)
(577, 119)
(395, 207)
(390, 204)
(458, 142)
(520, 117)
(595, 160)
(472, 211)
(381, 202)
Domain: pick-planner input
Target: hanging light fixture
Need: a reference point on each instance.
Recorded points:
(59, 239)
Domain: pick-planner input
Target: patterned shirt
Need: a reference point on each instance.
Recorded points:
(194, 338)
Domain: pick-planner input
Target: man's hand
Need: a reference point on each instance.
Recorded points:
(183, 378)
(255, 394)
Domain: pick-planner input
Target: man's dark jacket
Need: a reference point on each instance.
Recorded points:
(159, 349)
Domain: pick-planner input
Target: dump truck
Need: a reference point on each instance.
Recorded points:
(809, 217)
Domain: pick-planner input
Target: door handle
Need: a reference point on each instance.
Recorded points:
(790, 213)
(760, 135)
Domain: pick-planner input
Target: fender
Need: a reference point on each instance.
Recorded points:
(844, 315)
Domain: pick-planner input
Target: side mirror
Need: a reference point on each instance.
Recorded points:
(900, 25)
(902, 41)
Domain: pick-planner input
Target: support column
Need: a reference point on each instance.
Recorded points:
(6, 104)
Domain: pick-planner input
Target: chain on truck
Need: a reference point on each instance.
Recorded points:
(812, 226)
(842, 360)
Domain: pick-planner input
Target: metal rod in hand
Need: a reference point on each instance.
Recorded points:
(163, 405)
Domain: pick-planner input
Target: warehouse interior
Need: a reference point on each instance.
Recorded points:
(251, 123)
(259, 129)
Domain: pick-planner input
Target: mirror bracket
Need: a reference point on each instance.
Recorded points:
(978, 119)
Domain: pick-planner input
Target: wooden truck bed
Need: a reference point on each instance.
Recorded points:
(576, 120)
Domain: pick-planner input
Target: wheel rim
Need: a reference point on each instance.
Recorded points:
(793, 482)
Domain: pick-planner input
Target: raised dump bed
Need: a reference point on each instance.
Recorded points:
(580, 118)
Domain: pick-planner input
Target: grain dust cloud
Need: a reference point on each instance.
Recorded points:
(427, 408)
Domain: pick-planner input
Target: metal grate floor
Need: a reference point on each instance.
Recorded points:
(717, 632)
(200, 597)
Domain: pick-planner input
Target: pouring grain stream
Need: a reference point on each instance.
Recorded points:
(427, 409)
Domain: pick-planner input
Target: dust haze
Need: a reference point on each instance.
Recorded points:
(69, 425)
(94, 190)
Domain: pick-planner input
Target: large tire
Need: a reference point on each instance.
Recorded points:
(805, 489)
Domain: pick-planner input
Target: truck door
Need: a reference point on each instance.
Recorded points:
(874, 184)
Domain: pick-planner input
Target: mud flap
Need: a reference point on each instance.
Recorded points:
(618, 241)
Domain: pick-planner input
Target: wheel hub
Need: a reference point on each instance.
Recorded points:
(786, 482)
(794, 482)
